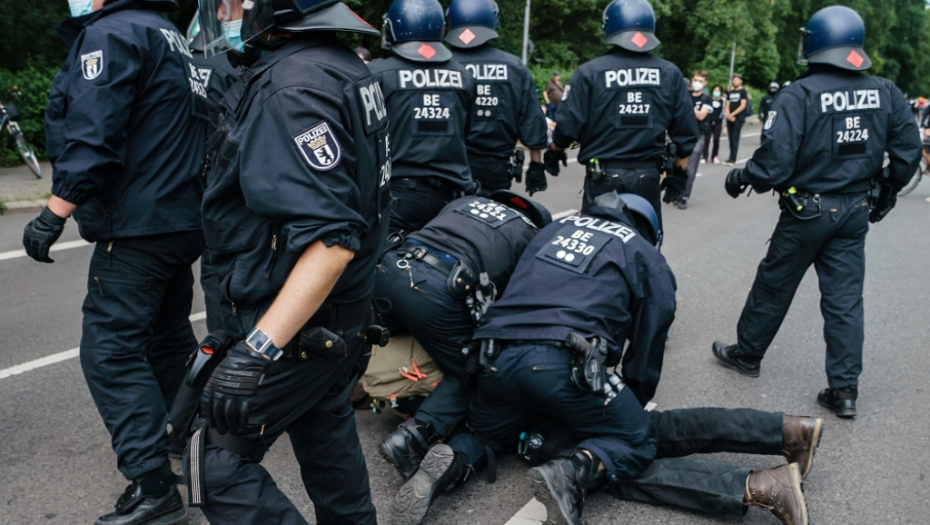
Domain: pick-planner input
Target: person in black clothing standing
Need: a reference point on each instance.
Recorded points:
(714, 125)
(766, 104)
(126, 125)
(823, 146)
(703, 112)
(295, 215)
(430, 99)
(736, 112)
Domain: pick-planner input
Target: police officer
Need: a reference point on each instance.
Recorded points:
(766, 104)
(823, 145)
(507, 107)
(295, 220)
(433, 283)
(619, 107)
(126, 145)
(215, 72)
(218, 75)
(547, 323)
(430, 98)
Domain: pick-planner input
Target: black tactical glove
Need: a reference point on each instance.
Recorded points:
(536, 178)
(887, 198)
(551, 160)
(736, 182)
(674, 185)
(227, 398)
(41, 233)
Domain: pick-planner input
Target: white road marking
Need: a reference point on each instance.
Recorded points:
(62, 356)
(13, 254)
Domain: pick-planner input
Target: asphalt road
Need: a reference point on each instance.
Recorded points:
(56, 465)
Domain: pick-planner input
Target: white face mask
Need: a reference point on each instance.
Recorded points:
(81, 7)
(697, 85)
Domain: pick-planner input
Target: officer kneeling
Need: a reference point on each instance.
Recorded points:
(294, 221)
(823, 145)
(439, 283)
(585, 285)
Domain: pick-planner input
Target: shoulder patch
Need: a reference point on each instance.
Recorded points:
(565, 93)
(319, 147)
(92, 64)
(770, 120)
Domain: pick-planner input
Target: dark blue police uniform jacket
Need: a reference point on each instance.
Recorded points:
(595, 276)
(309, 175)
(125, 134)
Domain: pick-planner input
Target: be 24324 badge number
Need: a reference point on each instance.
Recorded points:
(319, 147)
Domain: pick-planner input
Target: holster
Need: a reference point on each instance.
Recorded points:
(200, 365)
(801, 204)
(461, 281)
(515, 167)
(589, 362)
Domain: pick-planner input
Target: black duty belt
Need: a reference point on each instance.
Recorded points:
(420, 252)
(435, 182)
(544, 342)
(630, 164)
(344, 320)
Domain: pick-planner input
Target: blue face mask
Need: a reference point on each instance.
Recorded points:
(81, 7)
(232, 32)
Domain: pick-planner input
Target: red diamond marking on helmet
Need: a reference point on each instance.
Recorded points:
(855, 59)
(639, 39)
(467, 36)
(427, 51)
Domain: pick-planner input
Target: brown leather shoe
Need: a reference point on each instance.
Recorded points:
(778, 490)
(800, 437)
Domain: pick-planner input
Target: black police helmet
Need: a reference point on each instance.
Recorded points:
(414, 29)
(637, 209)
(630, 24)
(471, 23)
(835, 36)
(300, 16)
(532, 210)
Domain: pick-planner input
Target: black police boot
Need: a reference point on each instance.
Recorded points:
(731, 356)
(562, 483)
(405, 447)
(441, 469)
(152, 500)
(842, 401)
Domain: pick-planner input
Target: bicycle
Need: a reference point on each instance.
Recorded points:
(9, 115)
(922, 170)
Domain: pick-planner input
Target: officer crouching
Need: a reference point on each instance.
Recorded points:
(294, 217)
(585, 286)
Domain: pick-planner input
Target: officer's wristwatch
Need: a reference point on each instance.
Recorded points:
(260, 343)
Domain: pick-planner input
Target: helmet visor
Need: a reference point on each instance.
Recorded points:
(213, 16)
(801, 45)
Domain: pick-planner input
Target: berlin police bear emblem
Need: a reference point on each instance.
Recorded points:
(319, 147)
(92, 64)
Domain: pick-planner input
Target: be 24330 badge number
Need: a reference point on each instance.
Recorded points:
(319, 147)
(574, 248)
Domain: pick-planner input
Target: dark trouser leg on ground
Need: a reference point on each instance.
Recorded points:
(683, 432)
(733, 130)
(841, 272)
(693, 161)
(699, 485)
(240, 490)
(416, 202)
(135, 292)
(643, 182)
(490, 172)
(792, 249)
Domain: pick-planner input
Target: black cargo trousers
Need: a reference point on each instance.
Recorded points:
(834, 243)
(136, 338)
(306, 395)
